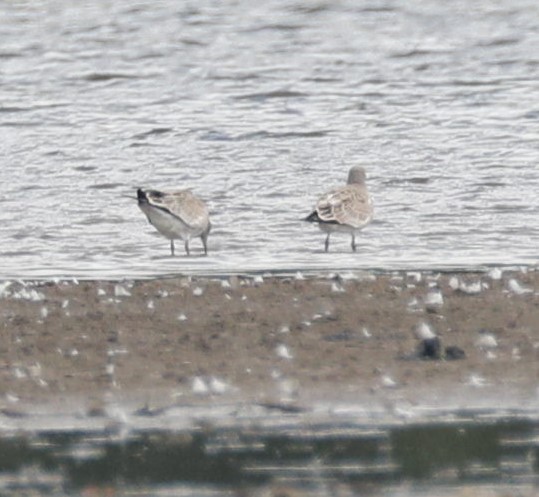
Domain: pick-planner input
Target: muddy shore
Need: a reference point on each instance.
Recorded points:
(348, 337)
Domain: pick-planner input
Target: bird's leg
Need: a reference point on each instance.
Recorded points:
(187, 247)
(204, 238)
(326, 244)
(172, 248)
(354, 242)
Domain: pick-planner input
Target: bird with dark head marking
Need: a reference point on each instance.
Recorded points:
(178, 215)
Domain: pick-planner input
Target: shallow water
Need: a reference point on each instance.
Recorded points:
(254, 452)
(259, 108)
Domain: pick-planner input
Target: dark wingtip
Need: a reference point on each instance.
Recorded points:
(312, 218)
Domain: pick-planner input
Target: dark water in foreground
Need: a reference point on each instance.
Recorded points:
(275, 455)
(260, 107)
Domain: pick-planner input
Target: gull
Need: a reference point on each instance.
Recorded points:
(176, 215)
(347, 209)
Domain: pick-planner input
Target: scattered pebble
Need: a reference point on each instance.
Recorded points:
(476, 380)
(101, 292)
(13, 399)
(18, 373)
(454, 353)
(218, 386)
(199, 386)
(4, 288)
(25, 294)
(198, 291)
(282, 351)
(121, 291)
(284, 329)
(258, 280)
(349, 276)
(430, 345)
(388, 382)
(454, 283)
(150, 305)
(413, 305)
(109, 369)
(434, 301)
(288, 388)
(430, 348)
(44, 312)
(490, 355)
(335, 287)
(495, 274)
(514, 286)
(299, 276)
(414, 275)
(276, 374)
(486, 341)
(423, 331)
(115, 352)
(472, 288)
(34, 370)
(366, 332)
(225, 284)
(182, 317)
(41, 382)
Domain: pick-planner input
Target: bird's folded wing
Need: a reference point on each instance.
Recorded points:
(348, 205)
(187, 207)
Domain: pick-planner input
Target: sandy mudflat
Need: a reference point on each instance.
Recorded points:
(348, 338)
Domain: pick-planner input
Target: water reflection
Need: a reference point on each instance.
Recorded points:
(314, 459)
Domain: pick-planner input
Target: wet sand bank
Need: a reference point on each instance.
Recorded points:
(340, 338)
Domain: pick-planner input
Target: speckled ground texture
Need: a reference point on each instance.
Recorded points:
(297, 339)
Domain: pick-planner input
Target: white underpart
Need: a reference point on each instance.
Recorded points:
(341, 228)
(169, 226)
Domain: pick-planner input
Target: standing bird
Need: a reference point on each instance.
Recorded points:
(176, 215)
(347, 209)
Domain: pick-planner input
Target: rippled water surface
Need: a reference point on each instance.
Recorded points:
(259, 107)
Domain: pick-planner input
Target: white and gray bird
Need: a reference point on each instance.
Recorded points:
(347, 209)
(178, 215)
